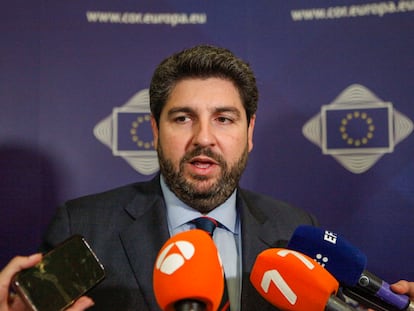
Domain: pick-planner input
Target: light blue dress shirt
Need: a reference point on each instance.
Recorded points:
(227, 239)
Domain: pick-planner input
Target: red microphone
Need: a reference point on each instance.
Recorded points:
(293, 281)
(188, 271)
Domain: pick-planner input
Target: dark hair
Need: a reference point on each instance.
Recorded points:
(202, 61)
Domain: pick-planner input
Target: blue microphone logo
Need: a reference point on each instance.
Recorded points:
(330, 237)
(322, 260)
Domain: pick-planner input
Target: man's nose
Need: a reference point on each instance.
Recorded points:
(204, 134)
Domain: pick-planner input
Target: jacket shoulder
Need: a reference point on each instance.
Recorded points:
(119, 196)
(267, 208)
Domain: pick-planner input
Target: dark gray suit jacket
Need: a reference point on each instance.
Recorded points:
(126, 227)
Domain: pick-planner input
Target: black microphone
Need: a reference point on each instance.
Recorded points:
(190, 305)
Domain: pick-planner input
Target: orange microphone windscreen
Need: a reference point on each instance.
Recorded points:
(187, 267)
(292, 281)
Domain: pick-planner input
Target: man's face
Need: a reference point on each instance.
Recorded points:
(203, 141)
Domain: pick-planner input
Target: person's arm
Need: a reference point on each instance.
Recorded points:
(12, 302)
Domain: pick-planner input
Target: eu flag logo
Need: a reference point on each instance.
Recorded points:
(357, 128)
(132, 134)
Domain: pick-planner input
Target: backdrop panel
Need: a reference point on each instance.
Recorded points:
(325, 69)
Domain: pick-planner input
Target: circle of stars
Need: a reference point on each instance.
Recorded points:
(357, 116)
(134, 133)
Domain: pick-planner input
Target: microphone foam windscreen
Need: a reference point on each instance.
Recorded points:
(292, 281)
(344, 261)
(188, 266)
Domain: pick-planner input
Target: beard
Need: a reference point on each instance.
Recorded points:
(206, 198)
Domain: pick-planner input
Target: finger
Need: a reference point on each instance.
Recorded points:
(82, 303)
(15, 265)
(404, 287)
(401, 287)
(17, 303)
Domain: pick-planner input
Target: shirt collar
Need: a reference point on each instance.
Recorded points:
(179, 213)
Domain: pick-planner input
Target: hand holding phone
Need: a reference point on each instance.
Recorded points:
(9, 300)
(64, 274)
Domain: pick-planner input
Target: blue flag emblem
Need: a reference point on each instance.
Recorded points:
(132, 132)
(356, 128)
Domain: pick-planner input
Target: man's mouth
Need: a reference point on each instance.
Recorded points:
(203, 162)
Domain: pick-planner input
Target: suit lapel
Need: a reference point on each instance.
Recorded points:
(144, 237)
(258, 234)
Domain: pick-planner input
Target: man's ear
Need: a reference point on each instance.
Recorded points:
(155, 132)
(250, 132)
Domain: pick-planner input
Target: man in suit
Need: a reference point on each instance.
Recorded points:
(203, 104)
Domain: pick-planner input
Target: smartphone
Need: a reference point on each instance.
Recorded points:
(64, 274)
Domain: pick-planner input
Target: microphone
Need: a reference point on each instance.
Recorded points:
(188, 274)
(348, 265)
(292, 281)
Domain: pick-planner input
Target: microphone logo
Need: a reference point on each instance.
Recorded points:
(174, 256)
(330, 237)
(320, 259)
(274, 277)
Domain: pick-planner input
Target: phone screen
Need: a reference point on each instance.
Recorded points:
(64, 274)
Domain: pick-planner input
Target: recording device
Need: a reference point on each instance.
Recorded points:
(188, 274)
(65, 273)
(292, 281)
(348, 265)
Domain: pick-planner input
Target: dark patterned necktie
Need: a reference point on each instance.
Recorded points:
(209, 224)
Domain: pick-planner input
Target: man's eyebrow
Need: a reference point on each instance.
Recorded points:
(184, 109)
(232, 110)
(175, 110)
